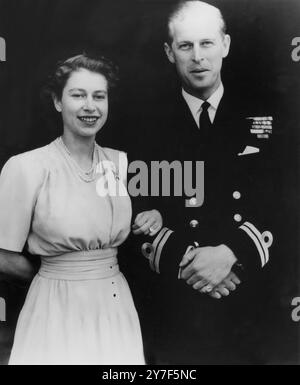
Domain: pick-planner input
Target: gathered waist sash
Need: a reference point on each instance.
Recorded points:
(81, 265)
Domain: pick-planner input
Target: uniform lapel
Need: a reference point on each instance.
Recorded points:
(229, 126)
(186, 131)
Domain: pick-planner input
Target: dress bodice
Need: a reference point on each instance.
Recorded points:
(45, 202)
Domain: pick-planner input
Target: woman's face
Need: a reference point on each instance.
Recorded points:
(84, 103)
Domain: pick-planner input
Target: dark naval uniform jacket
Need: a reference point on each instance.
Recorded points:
(239, 182)
(239, 210)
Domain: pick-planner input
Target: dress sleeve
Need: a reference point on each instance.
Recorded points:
(17, 200)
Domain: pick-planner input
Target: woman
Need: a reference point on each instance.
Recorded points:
(67, 203)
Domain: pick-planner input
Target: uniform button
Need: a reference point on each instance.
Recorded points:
(194, 223)
(193, 202)
(237, 217)
(236, 195)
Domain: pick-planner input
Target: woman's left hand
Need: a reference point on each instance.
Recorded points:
(147, 222)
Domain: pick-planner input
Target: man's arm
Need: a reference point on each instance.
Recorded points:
(16, 266)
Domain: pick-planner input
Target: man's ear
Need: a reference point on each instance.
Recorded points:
(226, 45)
(57, 103)
(169, 52)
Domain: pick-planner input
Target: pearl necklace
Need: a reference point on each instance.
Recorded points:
(87, 176)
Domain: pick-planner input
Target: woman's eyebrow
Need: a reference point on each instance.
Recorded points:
(76, 89)
(83, 90)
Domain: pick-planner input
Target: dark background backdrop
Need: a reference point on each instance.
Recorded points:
(39, 32)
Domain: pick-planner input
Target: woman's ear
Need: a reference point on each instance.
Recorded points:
(57, 103)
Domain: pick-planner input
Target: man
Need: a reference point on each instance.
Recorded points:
(228, 238)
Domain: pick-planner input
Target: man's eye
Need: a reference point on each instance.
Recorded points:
(207, 43)
(185, 46)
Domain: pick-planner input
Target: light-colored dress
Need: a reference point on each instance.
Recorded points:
(79, 308)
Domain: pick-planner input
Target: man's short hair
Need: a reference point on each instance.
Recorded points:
(179, 8)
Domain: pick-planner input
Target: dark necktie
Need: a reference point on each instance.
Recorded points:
(204, 120)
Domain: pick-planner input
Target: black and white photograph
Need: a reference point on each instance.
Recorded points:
(149, 184)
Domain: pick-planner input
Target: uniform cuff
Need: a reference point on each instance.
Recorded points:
(250, 246)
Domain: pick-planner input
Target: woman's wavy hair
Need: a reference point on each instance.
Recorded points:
(57, 81)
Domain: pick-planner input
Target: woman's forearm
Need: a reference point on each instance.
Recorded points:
(15, 266)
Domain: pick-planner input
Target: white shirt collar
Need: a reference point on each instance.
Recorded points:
(215, 98)
(195, 103)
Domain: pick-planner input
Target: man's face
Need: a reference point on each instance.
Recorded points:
(197, 50)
